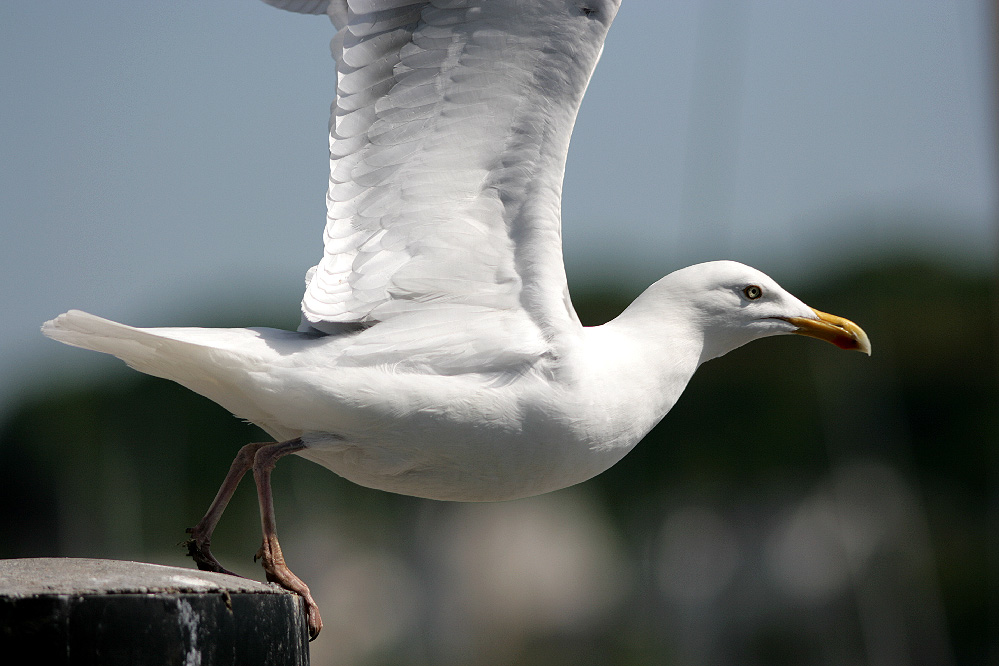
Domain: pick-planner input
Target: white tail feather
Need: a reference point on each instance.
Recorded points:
(210, 361)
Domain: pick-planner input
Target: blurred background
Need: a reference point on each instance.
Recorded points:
(166, 164)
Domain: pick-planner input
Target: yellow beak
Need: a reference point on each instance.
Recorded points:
(841, 332)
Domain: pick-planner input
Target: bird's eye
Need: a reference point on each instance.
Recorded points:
(752, 292)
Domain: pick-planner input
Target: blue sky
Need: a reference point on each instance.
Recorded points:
(159, 158)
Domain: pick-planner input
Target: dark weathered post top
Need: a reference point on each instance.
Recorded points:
(108, 612)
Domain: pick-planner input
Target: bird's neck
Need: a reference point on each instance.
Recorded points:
(641, 364)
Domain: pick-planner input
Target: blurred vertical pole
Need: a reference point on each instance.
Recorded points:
(713, 124)
(900, 609)
(992, 511)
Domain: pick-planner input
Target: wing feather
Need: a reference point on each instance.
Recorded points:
(448, 140)
(301, 6)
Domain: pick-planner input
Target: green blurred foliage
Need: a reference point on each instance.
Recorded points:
(121, 468)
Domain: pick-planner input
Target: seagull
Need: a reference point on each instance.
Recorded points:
(439, 354)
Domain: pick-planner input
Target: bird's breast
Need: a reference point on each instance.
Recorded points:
(486, 444)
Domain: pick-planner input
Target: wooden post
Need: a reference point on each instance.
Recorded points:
(110, 612)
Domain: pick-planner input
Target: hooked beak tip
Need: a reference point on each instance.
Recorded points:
(833, 329)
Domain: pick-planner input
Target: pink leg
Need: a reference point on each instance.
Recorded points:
(270, 551)
(199, 545)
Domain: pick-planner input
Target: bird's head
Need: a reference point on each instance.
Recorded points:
(732, 304)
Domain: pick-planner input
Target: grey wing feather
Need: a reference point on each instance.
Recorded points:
(448, 141)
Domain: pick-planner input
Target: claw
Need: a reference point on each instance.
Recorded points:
(200, 551)
(278, 572)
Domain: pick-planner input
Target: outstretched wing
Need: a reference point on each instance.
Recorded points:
(448, 141)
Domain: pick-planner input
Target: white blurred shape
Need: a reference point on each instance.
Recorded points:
(698, 555)
(370, 602)
(860, 509)
(804, 553)
(877, 508)
(533, 565)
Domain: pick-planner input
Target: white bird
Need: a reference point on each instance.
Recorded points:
(439, 354)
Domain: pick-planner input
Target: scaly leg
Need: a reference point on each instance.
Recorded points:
(270, 551)
(199, 545)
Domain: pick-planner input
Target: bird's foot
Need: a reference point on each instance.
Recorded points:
(199, 548)
(278, 572)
